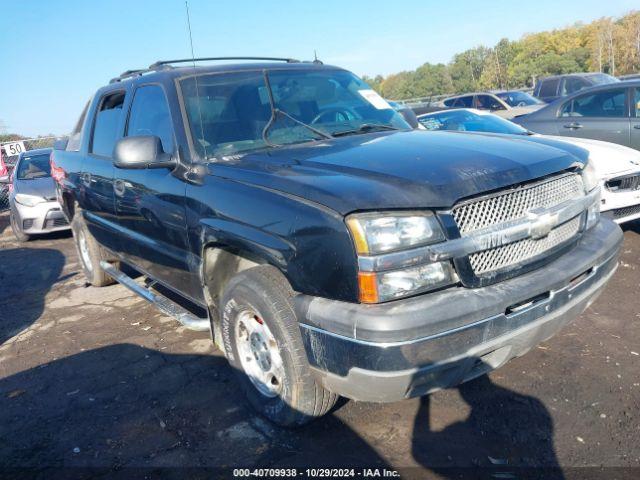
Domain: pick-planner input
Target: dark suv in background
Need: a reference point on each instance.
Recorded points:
(550, 88)
(329, 248)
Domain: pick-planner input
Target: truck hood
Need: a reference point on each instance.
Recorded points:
(407, 169)
(608, 158)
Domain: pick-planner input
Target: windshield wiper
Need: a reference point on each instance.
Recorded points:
(365, 128)
(276, 111)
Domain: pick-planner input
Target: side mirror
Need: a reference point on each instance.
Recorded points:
(143, 151)
(5, 179)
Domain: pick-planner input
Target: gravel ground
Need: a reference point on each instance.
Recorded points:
(97, 378)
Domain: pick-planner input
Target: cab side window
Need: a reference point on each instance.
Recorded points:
(486, 102)
(105, 127)
(549, 87)
(150, 115)
(573, 84)
(608, 103)
(462, 102)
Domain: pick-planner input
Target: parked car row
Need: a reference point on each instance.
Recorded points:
(515, 103)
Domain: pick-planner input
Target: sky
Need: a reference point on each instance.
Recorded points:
(55, 53)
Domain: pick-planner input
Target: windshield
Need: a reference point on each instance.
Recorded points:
(232, 113)
(33, 167)
(518, 99)
(467, 121)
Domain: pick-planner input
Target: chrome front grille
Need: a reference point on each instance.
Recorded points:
(474, 215)
(523, 251)
(514, 204)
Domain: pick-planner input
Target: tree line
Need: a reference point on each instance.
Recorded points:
(610, 45)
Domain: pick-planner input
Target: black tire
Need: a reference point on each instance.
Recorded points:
(264, 290)
(94, 253)
(19, 234)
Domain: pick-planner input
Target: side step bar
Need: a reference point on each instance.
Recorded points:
(167, 306)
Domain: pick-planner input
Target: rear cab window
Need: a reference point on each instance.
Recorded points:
(106, 124)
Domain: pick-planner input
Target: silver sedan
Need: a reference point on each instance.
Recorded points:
(32, 201)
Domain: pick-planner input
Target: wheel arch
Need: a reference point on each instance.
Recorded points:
(228, 248)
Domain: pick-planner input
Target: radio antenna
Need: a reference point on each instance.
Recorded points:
(193, 57)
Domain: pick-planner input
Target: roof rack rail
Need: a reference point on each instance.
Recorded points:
(160, 64)
(166, 64)
(129, 74)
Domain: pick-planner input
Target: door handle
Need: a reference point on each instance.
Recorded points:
(573, 125)
(119, 187)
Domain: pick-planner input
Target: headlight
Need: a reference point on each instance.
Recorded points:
(590, 180)
(384, 286)
(28, 200)
(381, 233)
(593, 213)
(375, 233)
(589, 177)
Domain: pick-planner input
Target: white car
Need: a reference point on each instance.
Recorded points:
(617, 166)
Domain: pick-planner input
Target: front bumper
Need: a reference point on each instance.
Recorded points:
(414, 346)
(42, 218)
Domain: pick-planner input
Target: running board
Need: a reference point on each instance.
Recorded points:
(169, 307)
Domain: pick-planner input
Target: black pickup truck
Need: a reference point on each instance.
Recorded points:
(328, 247)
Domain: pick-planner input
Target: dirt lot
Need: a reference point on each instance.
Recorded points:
(98, 378)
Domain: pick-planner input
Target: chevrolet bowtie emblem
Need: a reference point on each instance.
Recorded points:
(540, 224)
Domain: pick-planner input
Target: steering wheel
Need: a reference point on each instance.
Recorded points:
(521, 104)
(346, 112)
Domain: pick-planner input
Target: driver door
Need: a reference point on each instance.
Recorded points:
(150, 202)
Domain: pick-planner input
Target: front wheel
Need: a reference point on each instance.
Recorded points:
(263, 345)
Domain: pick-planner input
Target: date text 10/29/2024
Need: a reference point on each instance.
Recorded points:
(315, 473)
